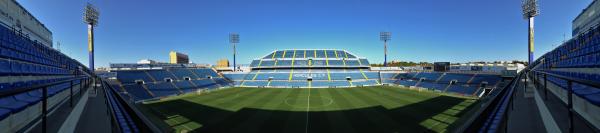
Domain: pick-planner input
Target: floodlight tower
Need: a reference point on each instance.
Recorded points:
(530, 10)
(234, 39)
(90, 17)
(385, 37)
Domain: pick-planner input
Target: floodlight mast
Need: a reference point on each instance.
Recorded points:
(530, 10)
(385, 37)
(90, 17)
(234, 39)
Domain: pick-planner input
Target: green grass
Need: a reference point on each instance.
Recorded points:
(364, 109)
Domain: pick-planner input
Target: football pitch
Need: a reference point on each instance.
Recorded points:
(262, 110)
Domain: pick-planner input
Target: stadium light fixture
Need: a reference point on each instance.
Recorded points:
(385, 37)
(234, 38)
(90, 17)
(530, 10)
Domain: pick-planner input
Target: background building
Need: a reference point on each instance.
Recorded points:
(178, 58)
(222, 63)
(147, 61)
(13, 15)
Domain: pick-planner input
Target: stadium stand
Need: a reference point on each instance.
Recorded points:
(140, 85)
(303, 68)
(28, 70)
(467, 84)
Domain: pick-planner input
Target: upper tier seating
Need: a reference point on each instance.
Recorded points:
(309, 58)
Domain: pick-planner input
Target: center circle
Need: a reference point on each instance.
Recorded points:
(303, 102)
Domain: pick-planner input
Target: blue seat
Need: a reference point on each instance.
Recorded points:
(589, 93)
(12, 104)
(24, 97)
(4, 113)
(5, 86)
(5, 67)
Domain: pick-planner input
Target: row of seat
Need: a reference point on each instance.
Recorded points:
(305, 84)
(307, 63)
(165, 89)
(18, 111)
(589, 93)
(578, 75)
(16, 68)
(22, 84)
(309, 54)
(130, 76)
(125, 122)
(579, 52)
(14, 46)
(445, 77)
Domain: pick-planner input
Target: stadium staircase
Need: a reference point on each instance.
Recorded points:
(472, 78)
(148, 74)
(148, 90)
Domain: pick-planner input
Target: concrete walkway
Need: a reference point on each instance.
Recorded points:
(525, 116)
(95, 117)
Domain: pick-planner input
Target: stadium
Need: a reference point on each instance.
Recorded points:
(305, 88)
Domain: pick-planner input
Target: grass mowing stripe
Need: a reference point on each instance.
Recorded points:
(395, 101)
(254, 121)
(225, 122)
(317, 120)
(215, 118)
(276, 121)
(380, 97)
(297, 120)
(380, 114)
(358, 109)
(337, 121)
(216, 95)
(230, 102)
(359, 118)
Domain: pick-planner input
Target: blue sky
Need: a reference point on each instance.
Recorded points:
(422, 30)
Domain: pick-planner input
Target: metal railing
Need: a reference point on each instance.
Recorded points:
(84, 83)
(495, 110)
(136, 121)
(539, 76)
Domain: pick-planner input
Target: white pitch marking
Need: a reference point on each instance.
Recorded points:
(307, 109)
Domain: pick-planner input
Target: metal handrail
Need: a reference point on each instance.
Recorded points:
(44, 95)
(29, 88)
(145, 123)
(590, 83)
(488, 110)
(503, 116)
(569, 104)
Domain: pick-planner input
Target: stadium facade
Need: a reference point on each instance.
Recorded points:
(16, 18)
(307, 68)
(587, 19)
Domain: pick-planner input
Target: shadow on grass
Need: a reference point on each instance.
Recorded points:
(377, 119)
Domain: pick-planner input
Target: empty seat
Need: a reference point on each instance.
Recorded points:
(12, 104)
